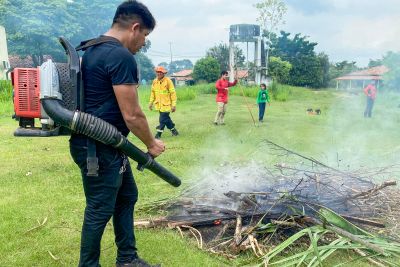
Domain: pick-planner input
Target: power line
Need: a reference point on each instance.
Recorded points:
(169, 53)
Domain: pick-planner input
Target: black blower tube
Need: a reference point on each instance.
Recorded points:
(104, 132)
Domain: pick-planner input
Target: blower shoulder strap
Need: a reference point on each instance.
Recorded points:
(96, 41)
(91, 158)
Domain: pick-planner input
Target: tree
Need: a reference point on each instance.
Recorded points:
(145, 67)
(164, 64)
(306, 72)
(279, 70)
(206, 69)
(324, 69)
(93, 17)
(271, 14)
(146, 46)
(341, 68)
(374, 63)
(221, 54)
(179, 65)
(308, 68)
(33, 27)
(392, 78)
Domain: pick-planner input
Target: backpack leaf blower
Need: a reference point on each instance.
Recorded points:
(53, 93)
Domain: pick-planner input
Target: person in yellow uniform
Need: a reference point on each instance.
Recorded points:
(163, 97)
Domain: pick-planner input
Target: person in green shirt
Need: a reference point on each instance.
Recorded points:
(262, 100)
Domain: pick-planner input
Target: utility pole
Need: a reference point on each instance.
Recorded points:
(170, 52)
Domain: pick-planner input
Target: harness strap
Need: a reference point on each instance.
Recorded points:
(92, 162)
(95, 41)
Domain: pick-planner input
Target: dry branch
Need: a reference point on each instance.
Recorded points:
(194, 231)
(375, 189)
(238, 230)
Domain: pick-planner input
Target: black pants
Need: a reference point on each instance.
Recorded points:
(165, 120)
(113, 193)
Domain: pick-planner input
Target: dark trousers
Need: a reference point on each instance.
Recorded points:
(261, 111)
(368, 108)
(165, 120)
(113, 193)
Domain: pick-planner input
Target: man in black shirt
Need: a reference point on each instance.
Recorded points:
(110, 82)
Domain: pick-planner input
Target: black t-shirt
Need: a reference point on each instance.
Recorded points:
(103, 66)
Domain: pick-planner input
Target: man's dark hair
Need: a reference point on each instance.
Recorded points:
(133, 11)
(224, 72)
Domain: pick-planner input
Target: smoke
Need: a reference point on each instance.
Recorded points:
(357, 142)
(237, 160)
(230, 163)
(244, 178)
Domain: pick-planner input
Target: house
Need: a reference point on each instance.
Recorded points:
(359, 79)
(183, 77)
(4, 62)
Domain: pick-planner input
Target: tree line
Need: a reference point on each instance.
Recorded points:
(33, 28)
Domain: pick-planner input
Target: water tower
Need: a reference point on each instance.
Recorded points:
(248, 33)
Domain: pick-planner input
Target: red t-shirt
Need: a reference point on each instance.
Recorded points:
(370, 91)
(222, 85)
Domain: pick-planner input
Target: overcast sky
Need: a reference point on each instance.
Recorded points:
(353, 30)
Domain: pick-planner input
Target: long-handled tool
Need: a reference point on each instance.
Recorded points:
(245, 99)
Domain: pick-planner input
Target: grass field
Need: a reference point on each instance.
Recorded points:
(39, 182)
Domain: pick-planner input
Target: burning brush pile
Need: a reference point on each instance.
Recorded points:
(301, 204)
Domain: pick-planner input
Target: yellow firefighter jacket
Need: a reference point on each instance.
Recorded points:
(163, 94)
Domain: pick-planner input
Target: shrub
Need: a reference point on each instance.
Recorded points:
(204, 88)
(186, 93)
(280, 92)
(206, 69)
(247, 91)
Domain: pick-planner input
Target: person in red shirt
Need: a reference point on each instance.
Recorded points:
(222, 86)
(370, 92)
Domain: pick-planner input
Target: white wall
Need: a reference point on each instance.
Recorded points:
(4, 61)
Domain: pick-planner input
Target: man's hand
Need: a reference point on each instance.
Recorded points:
(151, 106)
(156, 148)
(173, 109)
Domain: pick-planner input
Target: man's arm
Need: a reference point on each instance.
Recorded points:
(152, 97)
(134, 117)
(172, 94)
(232, 84)
(366, 90)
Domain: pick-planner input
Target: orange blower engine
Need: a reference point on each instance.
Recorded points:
(27, 105)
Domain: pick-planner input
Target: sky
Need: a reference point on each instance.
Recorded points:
(352, 30)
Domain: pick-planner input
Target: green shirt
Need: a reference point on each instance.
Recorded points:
(263, 96)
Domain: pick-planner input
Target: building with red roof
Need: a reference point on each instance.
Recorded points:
(182, 77)
(360, 78)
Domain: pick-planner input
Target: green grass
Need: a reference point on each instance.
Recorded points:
(38, 179)
(5, 90)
